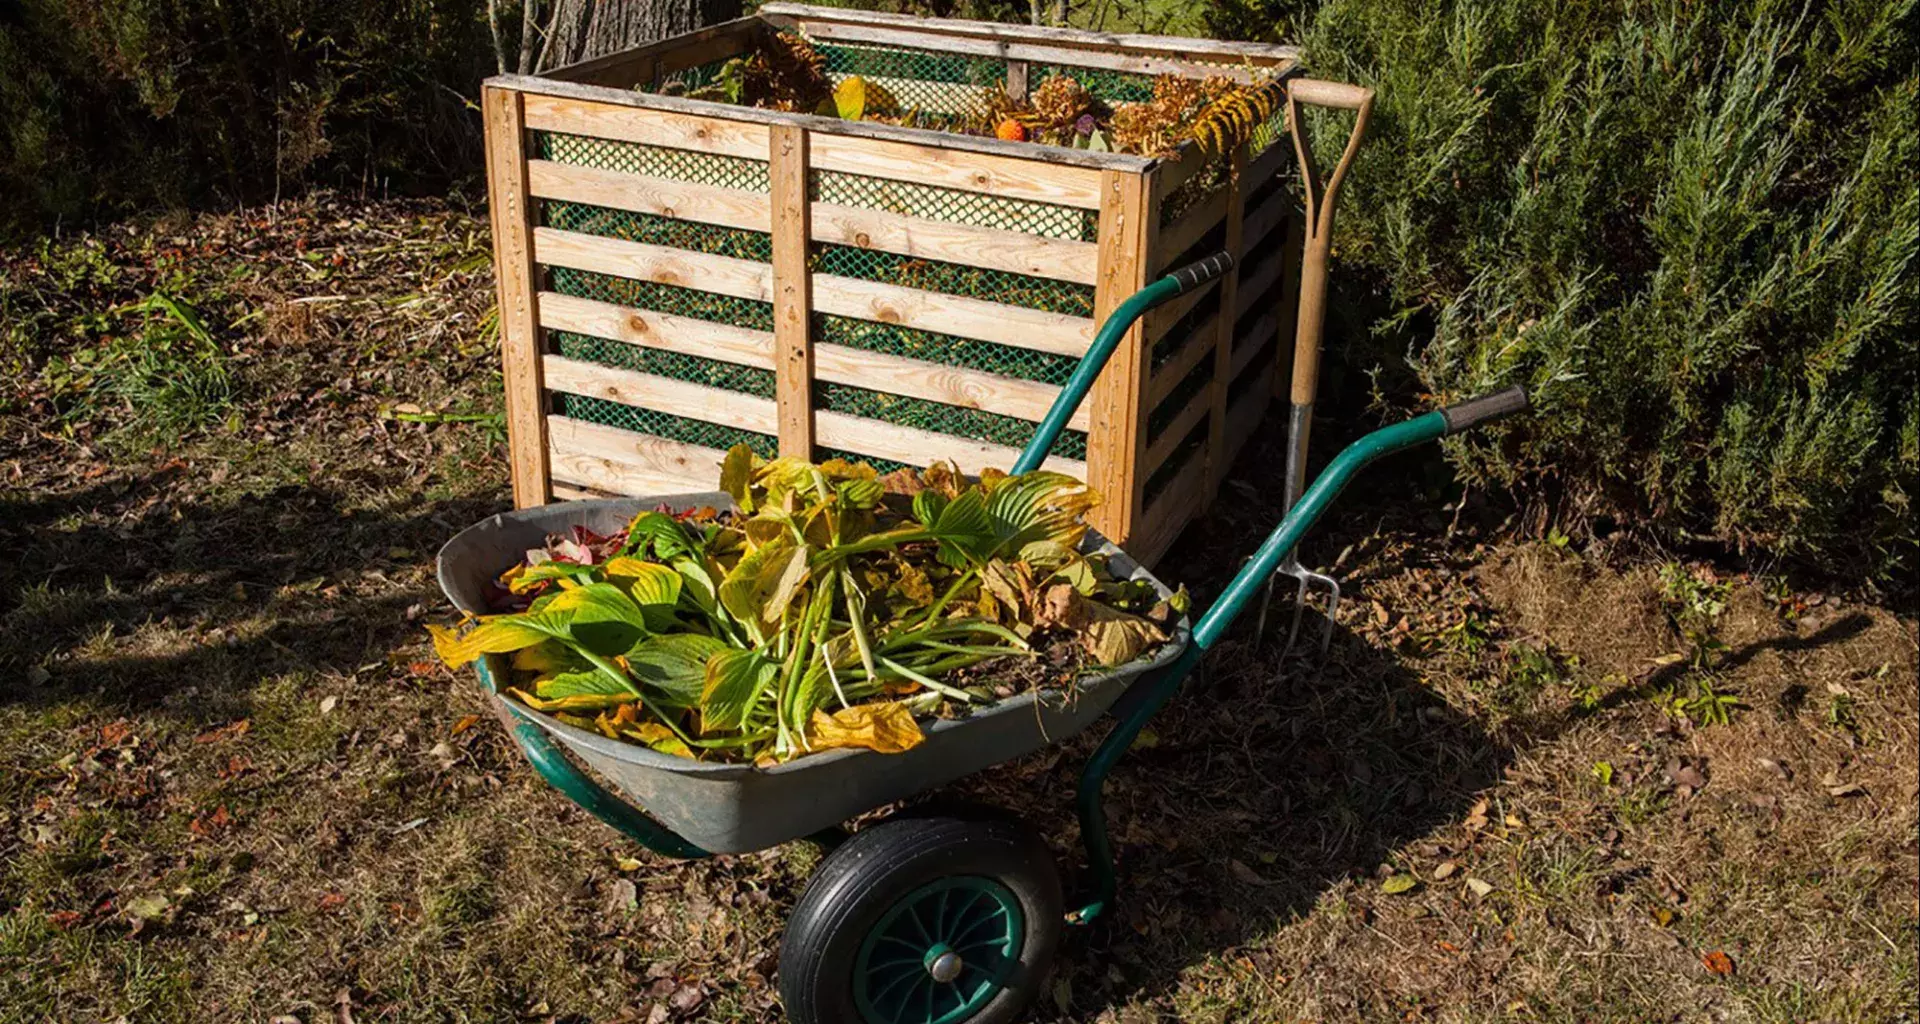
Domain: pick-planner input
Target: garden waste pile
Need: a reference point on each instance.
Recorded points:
(786, 72)
(831, 608)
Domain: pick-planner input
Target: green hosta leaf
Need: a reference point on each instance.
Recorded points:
(734, 681)
(654, 587)
(657, 535)
(675, 665)
(927, 506)
(763, 583)
(577, 684)
(496, 635)
(1038, 506)
(604, 619)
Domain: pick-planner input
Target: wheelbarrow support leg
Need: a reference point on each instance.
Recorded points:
(1239, 591)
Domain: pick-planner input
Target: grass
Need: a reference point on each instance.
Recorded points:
(224, 698)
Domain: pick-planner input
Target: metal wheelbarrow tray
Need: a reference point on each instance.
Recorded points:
(735, 808)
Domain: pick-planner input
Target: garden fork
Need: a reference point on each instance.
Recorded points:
(1318, 232)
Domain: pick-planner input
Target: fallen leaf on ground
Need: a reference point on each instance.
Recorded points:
(1397, 884)
(1445, 870)
(1480, 887)
(1718, 962)
(1241, 872)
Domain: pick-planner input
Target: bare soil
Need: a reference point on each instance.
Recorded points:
(1530, 781)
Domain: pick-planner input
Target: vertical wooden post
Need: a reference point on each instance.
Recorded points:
(1229, 296)
(1017, 79)
(792, 289)
(514, 274)
(1117, 421)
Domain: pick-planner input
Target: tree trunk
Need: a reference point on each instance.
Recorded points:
(582, 29)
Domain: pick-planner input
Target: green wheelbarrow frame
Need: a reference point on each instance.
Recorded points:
(1149, 692)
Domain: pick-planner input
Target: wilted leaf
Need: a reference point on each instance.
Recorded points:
(850, 98)
(1397, 884)
(497, 635)
(885, 728)
(1718, 962)
(733, 683)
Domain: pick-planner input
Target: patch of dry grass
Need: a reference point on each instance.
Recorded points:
(217, 693)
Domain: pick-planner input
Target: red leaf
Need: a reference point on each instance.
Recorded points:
(1718, 962)
(332, 901)
(232, 730)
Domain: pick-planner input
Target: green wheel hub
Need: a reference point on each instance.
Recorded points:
(939, 954)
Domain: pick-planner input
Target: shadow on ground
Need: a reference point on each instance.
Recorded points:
(128, 594)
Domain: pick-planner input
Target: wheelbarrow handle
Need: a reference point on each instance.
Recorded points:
(1475, 411)
(1194, 275)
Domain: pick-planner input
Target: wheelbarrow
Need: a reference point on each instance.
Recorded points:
(929, 917)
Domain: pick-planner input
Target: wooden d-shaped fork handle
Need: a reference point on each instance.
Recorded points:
(1320, 199)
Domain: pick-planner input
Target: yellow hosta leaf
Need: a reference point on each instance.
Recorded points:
(491, 636)
(647, 582)
(850, 98)
(885, 728)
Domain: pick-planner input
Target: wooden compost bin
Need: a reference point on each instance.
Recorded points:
(677, 276)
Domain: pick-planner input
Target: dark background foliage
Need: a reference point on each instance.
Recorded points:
(1690, 227)
(124, 105)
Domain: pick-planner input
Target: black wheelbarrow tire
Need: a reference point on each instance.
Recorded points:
(944, 919)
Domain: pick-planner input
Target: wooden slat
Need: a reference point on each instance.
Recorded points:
(1251, 342)
(1173, 508)
(1013, 251)
(661, 197)
(1116, 443)
(623, 462)
(1261, 222)
(917, 447)
(844, 296)
(1029, 179)
(1191, 227)
(1044, 53)
(1258, 280)
(579, 492)
(934, 382)
(792, 291)
(953, 314)
(664, 331)
(639, 65)
(1287, 325)
(661, 394)
(1197, 349)
(1225, 51)
(514, 274)
(1176, 171)
(1243, 420)
(1268, 162)
(899, 375)
(651, 127)
(1178, 430)
(722, 275)
(1223, 325)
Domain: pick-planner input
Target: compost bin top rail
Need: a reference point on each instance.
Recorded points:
(1222, 51)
